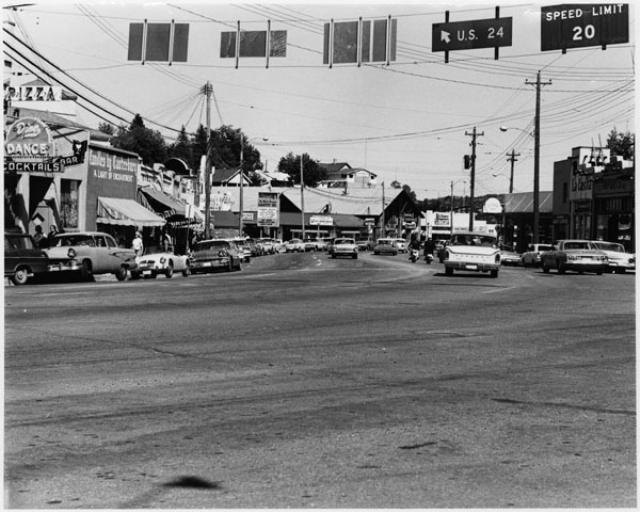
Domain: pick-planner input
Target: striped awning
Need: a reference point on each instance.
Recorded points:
(126, 212)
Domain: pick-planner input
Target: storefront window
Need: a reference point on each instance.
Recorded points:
(69, 202)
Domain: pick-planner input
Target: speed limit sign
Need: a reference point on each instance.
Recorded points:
(580, 25)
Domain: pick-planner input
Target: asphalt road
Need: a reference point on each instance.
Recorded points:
(304, 381)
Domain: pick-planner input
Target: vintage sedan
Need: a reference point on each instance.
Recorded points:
(344, 247)
(476, 252)
(23, 260)
(213, 255)
(244, 248)
(164, 263)
(401, 244)
(577, 255)
(294, 245)
(619, 260)
(385, 246)
(98, 253)
(531, 258)
(509, 257)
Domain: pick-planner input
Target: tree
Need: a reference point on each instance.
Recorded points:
(621, 144)
(182, 148)
(106, 128)
(227, 144)
(147, 143)
(313, 173)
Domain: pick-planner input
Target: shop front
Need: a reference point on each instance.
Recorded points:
(614, 207)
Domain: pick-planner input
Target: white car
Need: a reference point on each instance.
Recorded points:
(165, 263)
(401, 244)
(476, 252)
(531, 258)
(344, 247)
(294, 245)
(619, 260)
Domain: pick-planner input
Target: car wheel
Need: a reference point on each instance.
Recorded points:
(494, 273)
(86, 271)
(599, 272)
(561, 269)
(545, 268)
(355, 256)
(169, 272)
(135, 276)
(21, 276)
(186, 272)
(121, 274)
(448, 271)
(376, 253)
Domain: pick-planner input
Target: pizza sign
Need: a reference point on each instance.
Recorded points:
(28, 139)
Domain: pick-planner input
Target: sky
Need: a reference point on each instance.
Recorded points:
(408, 121)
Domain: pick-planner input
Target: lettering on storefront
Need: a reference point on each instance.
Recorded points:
(106, 166)
(581, 187)
(28, 140)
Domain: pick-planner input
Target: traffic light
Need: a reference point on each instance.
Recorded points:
(467, 162)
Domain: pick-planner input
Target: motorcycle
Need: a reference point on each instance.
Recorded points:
(414, 255)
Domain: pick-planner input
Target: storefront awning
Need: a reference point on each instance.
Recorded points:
(163, 204)
(125, 212)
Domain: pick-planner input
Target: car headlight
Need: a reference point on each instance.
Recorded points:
(162, 260)
(71, 253)
(571, 257)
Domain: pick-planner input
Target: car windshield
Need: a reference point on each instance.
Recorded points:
(208, 245)
(477, 240)
(384, 241)
(545, 247)
(609, 246)
(295, 241)
(71, 240)
(576, 245)
(19, 242)
(344, 241)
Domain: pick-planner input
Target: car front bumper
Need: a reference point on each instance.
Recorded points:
(209, 265)
(64, 266)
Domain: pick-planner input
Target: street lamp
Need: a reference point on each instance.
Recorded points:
(536, 174)
(240, 227)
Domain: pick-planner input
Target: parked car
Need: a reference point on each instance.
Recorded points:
(477, 252)
(244, 249)
(321, 244)
(577, 255)
(509, 257)
(344, 247)
(364, 245)
(212, 255)
(310, 245)
(165, 263)
(267, 245)
(279, 245)
(619, 260)
(294, 245)
(401, 244)
(98, 253)
(23, 260)
(385, 246)
(531, 258)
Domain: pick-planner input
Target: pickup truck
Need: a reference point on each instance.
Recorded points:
(577, 255)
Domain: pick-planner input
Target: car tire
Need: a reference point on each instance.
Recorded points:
(561, 269)
(599, 272)
(121, 274)
(545, 268)
(20, 276)
(169, 272)
(494, 273)
(86, 270)
(135, 275)
(448, 271)
(355, 256)
(186, 272)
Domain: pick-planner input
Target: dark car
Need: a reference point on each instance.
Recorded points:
(23, 260)
(212, 255)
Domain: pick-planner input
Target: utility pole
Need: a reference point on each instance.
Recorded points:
(451, 217)
(241, 184)
(382, 230)
(207, 166)
(302, 193)
(474, 135)
(536, 160)
(512, 158)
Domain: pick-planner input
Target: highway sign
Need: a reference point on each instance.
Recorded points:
(580, 25)
(471, 34)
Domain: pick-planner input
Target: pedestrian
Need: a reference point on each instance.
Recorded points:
(39, 238)
(429, 247)
(137, 245)
(53, 231)
(167, 243)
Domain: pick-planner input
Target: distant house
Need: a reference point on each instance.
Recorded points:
(225, 176)
(342, 175)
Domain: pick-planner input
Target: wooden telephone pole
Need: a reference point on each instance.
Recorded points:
(474, 135)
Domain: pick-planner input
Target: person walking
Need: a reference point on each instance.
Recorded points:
(137, 245)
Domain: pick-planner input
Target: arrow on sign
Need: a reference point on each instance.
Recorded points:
(444, 36)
